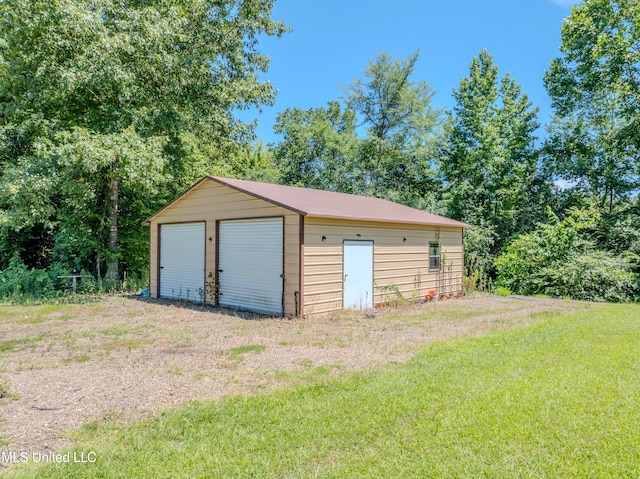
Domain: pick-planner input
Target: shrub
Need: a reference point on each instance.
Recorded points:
(18, 281)
(592, 276)
(502, 291)
(559, 259)
(478, 245)
(21, 284)
(474, 282)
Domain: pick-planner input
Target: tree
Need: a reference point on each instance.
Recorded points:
(601, 55)
(325, 148)
(318, 147)
(490, 166)
(595, 89)
(70, 181)
(120, 99)
(403, 129)
(587, 149)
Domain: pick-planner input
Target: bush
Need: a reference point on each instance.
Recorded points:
(560, 259)
(502, 291)
(20, 284)
(593, 276)
(478, 245)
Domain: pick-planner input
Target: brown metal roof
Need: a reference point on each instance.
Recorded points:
(329, 204)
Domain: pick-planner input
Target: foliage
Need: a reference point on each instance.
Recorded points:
(20, 284)
(592, 276)
(402, 127)
(404, 131)
(253, 162)
(474, 282)
(594, 86)
(502, 291)
(601, 61)
(584, 149)
(555, 398)
(620, 231)
(490, 164)
(381, 140)
(593, 146)
(478, 244)
(560, 259)
(317, 148)
(111, 108)
(68, 183)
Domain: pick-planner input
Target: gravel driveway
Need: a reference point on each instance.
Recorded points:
(122, 358)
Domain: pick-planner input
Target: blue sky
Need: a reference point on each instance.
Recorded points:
(332, 41)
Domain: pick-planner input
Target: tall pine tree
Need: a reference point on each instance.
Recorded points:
(491, 162)
(490, 166)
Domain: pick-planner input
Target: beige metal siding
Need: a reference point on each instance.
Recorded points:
(401, 259)
(211, 202)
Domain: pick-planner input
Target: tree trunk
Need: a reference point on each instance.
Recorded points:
(99, 270)
(611, 201)
(113, 274)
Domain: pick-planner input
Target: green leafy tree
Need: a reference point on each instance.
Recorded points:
(587, 151)
(382, 140)
(601, 56)
(318, 147)
(403, 131)
(105, 103)
(490, 165)
(595, 89)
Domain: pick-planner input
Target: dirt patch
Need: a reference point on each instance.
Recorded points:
(125, 358)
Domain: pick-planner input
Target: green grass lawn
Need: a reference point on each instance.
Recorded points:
(560, 399)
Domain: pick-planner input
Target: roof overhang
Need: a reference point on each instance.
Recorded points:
(436, 220)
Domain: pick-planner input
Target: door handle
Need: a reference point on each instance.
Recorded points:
(345, 277)
(220, 271)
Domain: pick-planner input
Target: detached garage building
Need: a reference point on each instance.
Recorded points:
(293, 251)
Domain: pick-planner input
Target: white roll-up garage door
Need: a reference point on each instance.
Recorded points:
(182, 261)
(250, 264)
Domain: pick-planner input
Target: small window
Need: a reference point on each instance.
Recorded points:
(434, 256)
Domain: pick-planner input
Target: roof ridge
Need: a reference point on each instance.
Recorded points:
(291, 202)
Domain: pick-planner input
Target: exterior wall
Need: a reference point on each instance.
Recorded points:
(404, 264)
(211, 202)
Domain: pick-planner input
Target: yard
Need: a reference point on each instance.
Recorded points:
(554, 394)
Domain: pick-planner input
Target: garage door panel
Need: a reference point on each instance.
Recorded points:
(182, 250)
(250, 264)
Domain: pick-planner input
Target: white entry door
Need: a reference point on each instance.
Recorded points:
(250, 264)
(182, 261)
(358, 275)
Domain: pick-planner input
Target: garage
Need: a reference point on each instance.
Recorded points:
(182, 261)
(289, 251)
(250, 267)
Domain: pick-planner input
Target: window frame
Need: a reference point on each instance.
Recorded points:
(437, 245)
